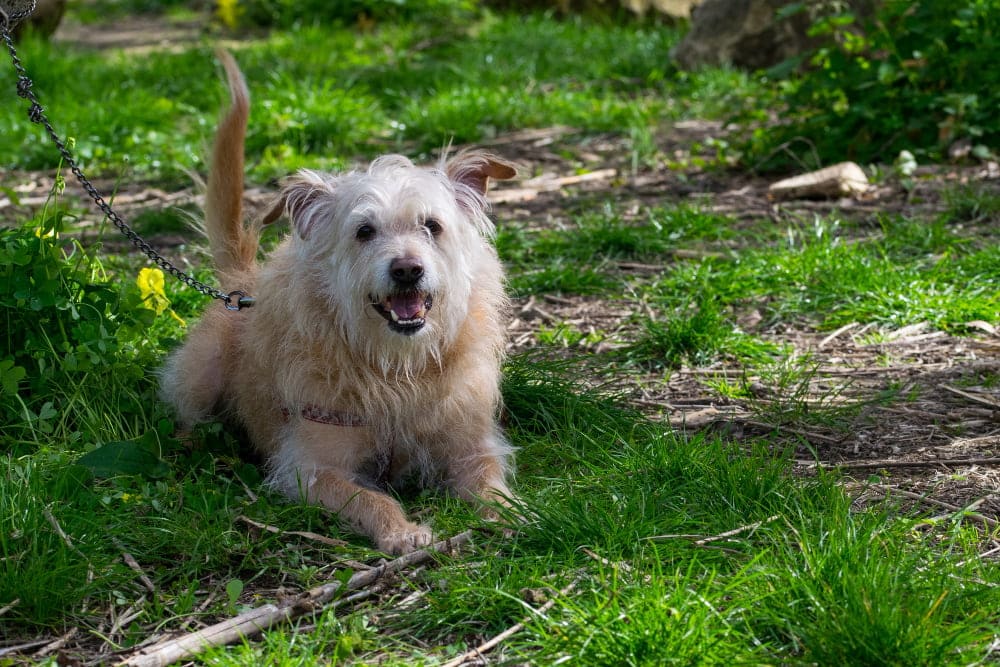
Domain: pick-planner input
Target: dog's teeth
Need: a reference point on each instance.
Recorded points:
(394, 316)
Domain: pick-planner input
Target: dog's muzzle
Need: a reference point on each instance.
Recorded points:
(406, 312)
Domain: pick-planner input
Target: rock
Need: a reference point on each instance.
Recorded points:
(845, 179)
(675, 8)
(748, 33)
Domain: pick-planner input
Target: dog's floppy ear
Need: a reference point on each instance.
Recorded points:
(473, 169)
(297, 199)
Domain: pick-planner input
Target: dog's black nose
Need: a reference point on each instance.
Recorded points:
(406, 270)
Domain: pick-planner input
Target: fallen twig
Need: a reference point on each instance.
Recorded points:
(966, 511)
(972, 397)
(826, 341)
(255, 621)
(808, 435)
(55, 645)
(10, 605)
(512, 630)
(622, 565)
(21, 648)
(702, 540)
(930, 463)
(316, 537)
(134, 566)
(62, 534)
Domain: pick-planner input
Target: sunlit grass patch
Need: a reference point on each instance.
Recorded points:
(324, 96)
(697, 335)
(583, 258)
(652, 617)
(875, 590)
(911, 274)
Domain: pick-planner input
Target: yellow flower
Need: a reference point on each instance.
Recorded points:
(228, 12)
(150, 282)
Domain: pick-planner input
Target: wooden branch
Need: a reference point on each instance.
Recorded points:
(703, 540)
(847, 327)
(55, 645)
(21, 648)
(869, 465)
(845, 179)
(10, 605)
(808, 435)
(511, 631)
(255, 621)
(966, 511)
(316, 537)
(133, 564)
(972, 397)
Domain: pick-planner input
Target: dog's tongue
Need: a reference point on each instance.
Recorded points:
(407, 306)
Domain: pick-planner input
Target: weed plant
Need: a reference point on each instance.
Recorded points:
(917, 76)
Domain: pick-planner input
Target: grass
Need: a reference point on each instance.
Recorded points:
(685, 548)
(406, 86)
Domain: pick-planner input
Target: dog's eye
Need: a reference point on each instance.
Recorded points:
(365, 233)
(433, 226)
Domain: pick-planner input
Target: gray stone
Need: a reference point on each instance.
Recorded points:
(748, 34)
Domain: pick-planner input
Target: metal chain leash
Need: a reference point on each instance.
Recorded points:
(232, 300)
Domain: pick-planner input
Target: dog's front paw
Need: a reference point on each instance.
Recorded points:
(409, 538)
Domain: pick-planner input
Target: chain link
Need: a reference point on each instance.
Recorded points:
(233, 300)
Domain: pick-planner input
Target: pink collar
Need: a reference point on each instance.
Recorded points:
(314, 413)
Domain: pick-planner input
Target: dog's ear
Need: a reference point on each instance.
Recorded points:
(274, 210)
(473, 169)
(297, 199)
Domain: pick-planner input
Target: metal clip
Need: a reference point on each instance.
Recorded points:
(240, 302)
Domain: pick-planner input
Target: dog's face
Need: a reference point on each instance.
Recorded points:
(396, 250)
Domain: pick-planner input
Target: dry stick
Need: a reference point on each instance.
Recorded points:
(257, 620)
(992, 523)
(808, 435)
(323, 539)
(826, 341)
(982, 556)
(55, 645)
(702, 540)
(622, 565)
(509, 632)
(21, 648)
(972, 397)
(62, 534)
(134, 566)
(868, 465)
(10, 605)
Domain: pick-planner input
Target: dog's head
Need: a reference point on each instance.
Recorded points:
(397, 250)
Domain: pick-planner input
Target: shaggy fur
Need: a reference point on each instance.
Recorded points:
(373, 350)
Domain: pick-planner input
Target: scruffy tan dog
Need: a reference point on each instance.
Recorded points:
(373, 349)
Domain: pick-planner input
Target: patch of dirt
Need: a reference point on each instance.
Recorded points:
(135, 35)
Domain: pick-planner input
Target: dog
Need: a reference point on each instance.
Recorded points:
(372, 352)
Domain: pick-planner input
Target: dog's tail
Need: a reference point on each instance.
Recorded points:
(233, 243)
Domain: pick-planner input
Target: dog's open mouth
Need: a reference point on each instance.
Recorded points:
(406, 312)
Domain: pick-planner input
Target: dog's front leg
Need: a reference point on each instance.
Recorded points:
(321, 463)
(371, 512)
(478, 474)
